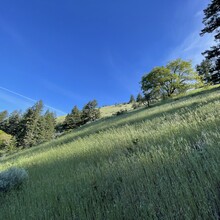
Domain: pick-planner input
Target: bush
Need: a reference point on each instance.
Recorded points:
(121, 112)
(7, 141)
(12, 178)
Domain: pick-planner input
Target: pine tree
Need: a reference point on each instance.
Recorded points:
(132, 99)
(90, 112)
(50, 123)
(11, 125)
(31, 126)
(139, 98)
(212, 24)
(73, 120)
(204, 70)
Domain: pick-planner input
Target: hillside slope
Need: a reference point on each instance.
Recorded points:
(156, 163)
(106, 111)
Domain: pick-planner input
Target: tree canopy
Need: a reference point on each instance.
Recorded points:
(177, 76)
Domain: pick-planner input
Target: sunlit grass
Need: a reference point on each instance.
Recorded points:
(156, 163)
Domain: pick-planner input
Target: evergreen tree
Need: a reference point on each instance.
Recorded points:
(11, 125)
(132, 99)
(212, 24)
(204, 70)
(3, 116)
(31, 126)
(90, 112)
(139, 98)
(50, 123)
(72, 120)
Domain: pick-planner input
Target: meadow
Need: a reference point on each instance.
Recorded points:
(161, 162)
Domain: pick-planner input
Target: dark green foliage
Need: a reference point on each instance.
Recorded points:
(32, 127)
(204, 70)
(73, 120)
(132, 99)
(90, 112)
(11, 125)
(212, 24)
(121, 112)
(139, 98)
(50, 123)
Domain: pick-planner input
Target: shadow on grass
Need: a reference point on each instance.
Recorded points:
(114, 122)
(128, 184)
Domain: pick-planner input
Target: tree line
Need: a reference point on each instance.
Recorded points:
(35, 126)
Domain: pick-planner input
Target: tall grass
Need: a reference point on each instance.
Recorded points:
(156, 163)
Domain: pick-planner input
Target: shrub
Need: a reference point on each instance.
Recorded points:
(6, 141)
(121, 112)
(12, 178)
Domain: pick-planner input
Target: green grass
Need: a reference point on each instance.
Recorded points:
(106, 111)
(156, 163)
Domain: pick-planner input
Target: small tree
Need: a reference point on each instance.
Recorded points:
(176, 77)
(90, 112)
(139, 98)
(72, 120)
(204, 70)
(132, 99)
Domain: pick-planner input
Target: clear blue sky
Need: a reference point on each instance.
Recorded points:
(71, 51)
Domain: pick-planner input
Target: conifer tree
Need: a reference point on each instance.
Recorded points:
(30, 126)
(139, 98)
(132, 99)
(212, 24)
(90, 112)
(73, 120)
(50, 123)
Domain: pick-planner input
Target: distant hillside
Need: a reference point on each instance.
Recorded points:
(151, 163)
(106, 111)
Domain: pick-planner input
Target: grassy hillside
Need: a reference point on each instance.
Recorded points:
(156, 163)
(105, 111)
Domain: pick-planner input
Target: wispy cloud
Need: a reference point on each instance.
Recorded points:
(192, 47)
(18, 99)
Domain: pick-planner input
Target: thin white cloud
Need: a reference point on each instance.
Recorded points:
(24, 101)
(192, 47)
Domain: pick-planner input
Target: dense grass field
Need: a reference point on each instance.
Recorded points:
(161, 162)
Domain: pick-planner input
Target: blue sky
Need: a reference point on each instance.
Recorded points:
(72, 51)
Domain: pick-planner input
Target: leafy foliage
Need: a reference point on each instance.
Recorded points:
(176, 77)
(7, 141)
